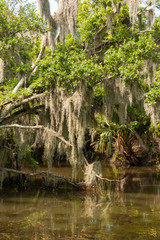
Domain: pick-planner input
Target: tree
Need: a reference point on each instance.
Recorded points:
(55, 72)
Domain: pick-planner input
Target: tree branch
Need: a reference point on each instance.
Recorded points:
(43, 173)
(20, 84)
(145, 31)
(22, 127)
(11, 107)
(111, 180)
(36, 127)
(21, 113)
(23, 79)
(43, 46)
(26, 100)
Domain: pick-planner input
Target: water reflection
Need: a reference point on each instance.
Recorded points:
(125, 211)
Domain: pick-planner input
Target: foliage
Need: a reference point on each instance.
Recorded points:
(20, 33)
(123, 53)
(6, 94)
(120, 29)
(156, 28)
(106, 135)
(127, 60)
(91, 17)
(104, 138)
(67, 67)
(99, 94)
(138, 119)
(156, 130)
(29, 158)
(126, 49)
(153, 96)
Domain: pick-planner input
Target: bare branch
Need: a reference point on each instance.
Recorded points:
(22, 127)
(145, 31)
(43, 46)
(41, 53)
(43, 173)
(36, 127)
(20, 84)
(111, 180)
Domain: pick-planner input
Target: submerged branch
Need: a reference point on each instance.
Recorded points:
(42, 173)
(111, 180)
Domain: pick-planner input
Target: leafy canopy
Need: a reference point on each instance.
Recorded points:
(20, 33)
(67, 67)
(126, 61)
(126, 50)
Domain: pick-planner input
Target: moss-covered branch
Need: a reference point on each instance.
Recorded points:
(36, 127)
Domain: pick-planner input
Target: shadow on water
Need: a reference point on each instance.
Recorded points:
(125, 210)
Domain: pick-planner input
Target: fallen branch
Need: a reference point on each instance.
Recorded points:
(42, 173)
(111, 180)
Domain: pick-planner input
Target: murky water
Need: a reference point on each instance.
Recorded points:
(130, 210)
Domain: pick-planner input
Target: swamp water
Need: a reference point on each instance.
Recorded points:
(125, 211)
